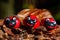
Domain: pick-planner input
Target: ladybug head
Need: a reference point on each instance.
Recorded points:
(12, 22)
(50, 23)
(31, 21)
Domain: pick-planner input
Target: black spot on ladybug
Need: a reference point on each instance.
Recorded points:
(7, 21)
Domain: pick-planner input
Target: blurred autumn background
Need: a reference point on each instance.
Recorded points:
(12, 7)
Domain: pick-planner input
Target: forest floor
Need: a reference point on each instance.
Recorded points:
(25, 36)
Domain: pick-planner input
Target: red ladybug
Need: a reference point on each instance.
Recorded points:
(49, 23)
(31, 21)
(12, 22)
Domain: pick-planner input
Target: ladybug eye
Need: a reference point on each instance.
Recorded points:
(14, 18)
(54, 22)
(31, 22)
(13, 22)
(28, 18)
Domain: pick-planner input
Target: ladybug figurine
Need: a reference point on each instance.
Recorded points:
(31, 22)
(12, 22)
(49, 23)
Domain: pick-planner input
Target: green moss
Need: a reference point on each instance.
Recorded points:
(57, 16)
